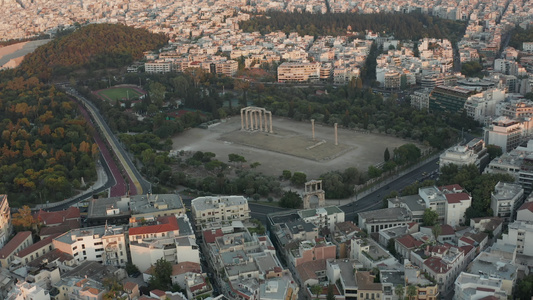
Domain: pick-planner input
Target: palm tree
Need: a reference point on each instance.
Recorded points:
(412, 291)
(316, 290)
(399, 290)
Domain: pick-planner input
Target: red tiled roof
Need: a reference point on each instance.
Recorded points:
(451, 187)
(490, 298)
(527, 205)
(184, 267)
(467, 240)
(409, 241)
(129, 285)
(64, 227)
(51, 256)
(436, 264)
(466, 249)
(166, 224)
(210, 236)
(158, 293)
(308, 270)
(440, 249)
(14, 243)
(58, 217)
(197, 287)
(447, 230)
(36, 246)
(457, 197)
(484, 289)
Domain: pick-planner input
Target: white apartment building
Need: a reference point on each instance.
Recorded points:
(5, 220)
(527, 46)
(27, 291)
(493, 264)
(525, 212)
(76, 288)
(220, 209)
(473, 152)
(505, 133)
(174, 250)
(375, 220)
(158, 67)
(104, 244)
(420, 99)
(474, 287)
(434, 199)
(323, 216)
(506, 199)
(481, 107)
(228, 67)
(298, 71)
(456, 206)
(520, 234)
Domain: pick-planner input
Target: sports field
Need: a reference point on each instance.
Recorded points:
(119, 93)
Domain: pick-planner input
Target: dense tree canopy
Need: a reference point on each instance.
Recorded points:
(519, 36)
(46, 146)
(412, 26)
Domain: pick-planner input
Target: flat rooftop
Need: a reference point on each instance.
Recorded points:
(70, 237)
(242, 268)
(490, 265)
(386, 214)
(203, 203)
(133, 205)
(393, 277)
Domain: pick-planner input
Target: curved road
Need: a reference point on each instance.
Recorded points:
(138, 185)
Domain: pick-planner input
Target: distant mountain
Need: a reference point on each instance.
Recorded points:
(92, 47)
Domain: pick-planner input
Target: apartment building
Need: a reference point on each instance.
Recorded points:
(228, 67)
(158, 67)
(299, 72)
(474, 152)
(27, 291)
(104, 244)
(5, 220)
(520, 234)
(434, 199)
(19, 242)
(448, 99)
(506, 199)
(78, 288)
(420, 99)
(475, 286)
(308, 250)
(220, 209)
(323, 217)
(505, 133)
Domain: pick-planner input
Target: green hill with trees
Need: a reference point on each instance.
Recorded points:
(95, 46)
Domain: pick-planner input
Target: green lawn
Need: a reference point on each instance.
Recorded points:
(119, 93)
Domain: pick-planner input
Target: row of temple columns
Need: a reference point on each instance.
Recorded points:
(252, 118)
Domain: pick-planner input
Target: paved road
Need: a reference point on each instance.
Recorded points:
(137, 184)
(374, 200)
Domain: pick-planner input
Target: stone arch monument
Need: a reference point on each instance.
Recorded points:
(314, 196)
